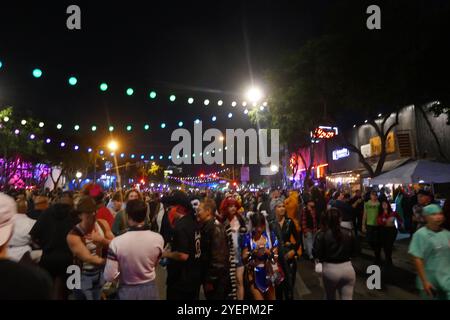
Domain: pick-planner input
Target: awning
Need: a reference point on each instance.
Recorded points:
(388, 166)
(419, 171)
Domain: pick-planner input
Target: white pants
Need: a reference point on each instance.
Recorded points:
(339, 277)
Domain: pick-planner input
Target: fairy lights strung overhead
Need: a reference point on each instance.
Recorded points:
(213, 176)
(73, 80)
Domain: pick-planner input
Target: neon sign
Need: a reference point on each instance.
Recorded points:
(340, 153)
(324, 133)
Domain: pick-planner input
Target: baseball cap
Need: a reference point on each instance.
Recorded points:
(425, 192)
(431, 209)
(8, 209)
(86, 205)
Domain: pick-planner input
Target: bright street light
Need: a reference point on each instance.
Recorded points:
(254, 94)
(113, 146)
(79, 175)
(274, 168)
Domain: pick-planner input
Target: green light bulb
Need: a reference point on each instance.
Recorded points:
(73, 81)
(37, 73)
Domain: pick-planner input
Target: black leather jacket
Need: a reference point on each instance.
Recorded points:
(215, 255)
(327, 249)
(286, 235)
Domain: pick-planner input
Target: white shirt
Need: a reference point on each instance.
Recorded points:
(160, 216)
(21, 240)
(135, 254)
(235, 226)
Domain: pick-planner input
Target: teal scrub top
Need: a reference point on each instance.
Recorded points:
(434, 249)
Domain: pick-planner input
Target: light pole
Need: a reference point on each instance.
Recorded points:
(113, 146)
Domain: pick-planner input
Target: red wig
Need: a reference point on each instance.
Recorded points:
(228, 202)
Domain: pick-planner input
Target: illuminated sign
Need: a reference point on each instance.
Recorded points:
(324, 132)
(340, 153)
(375, 144)
(366, 151)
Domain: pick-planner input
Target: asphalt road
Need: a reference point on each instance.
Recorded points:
(397, 283)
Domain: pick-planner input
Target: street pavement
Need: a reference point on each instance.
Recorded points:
(397, 283)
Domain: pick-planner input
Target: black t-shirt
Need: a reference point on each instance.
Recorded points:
(23, 282)
(185, 275)
(50, 232)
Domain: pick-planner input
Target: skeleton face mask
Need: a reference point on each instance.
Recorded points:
(195, 203)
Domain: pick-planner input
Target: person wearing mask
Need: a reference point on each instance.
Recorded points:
(184, 252)
(309, 227)
(134, 255)
(430, 249)
(260, 251)
(49, 233)
(40, 204)
(214, 248)
(285, 231)
(235, 228)
(370, 225)
(333, 247)
(88, 241)
(388, 230)
(18, 281)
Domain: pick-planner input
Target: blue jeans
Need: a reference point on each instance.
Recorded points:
(144, 291)
(91, 285)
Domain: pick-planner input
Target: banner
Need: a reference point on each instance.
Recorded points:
(245, 174)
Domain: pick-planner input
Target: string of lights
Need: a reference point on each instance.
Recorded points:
(153, 95)
(63, 144)
(202, 178)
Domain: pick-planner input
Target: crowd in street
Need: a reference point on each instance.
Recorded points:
(222, 245)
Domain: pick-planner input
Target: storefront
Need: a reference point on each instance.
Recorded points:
(347, 181)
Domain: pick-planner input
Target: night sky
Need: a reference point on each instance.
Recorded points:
(201, 49)
(205, 50)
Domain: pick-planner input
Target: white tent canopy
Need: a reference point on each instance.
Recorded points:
(419, 171)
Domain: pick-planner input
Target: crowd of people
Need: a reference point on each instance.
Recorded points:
(227, 245)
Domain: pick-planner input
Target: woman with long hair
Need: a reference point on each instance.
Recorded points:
(235, 228)
(388, 230)
(333, 247)
(289, 242)
(260, 254)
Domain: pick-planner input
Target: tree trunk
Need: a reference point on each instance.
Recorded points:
(441, 153)
(362, 160)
